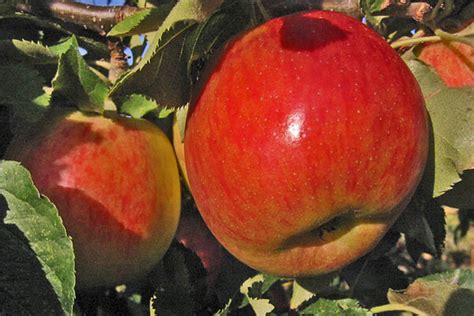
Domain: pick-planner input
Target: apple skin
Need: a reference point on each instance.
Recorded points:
(453, 61)
(306, 140)
(193, 234)
(116, 185)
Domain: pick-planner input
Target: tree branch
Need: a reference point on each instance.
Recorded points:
(102, 19)
(418, 11)
(349, 7)
(95, 18)
(118, 58)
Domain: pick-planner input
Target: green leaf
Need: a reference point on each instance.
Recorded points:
(452, 118)
(22, 91)
(423, 223)
(181, 115)
(253, 290)
(374, 6)
(300, 295)
(38, 220)
(462, 194)
(347, 307)
(164, 113)
(180, 283)
(162, 73)
(76, 81)
(138, 105)
(144, 21)
(438, 295)
(7, 7)
(462, 278)
(228, 20)
(225, 311)
(22, 51)
(20, 85)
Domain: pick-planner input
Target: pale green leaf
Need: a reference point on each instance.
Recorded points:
(181, 115)
(300, 295)
(462, 278)
(261, 306)
(438, 295)
(147, 20)
(225, 311)
(452, 117)
(138, 105)
(374, 6)
(347, 307)
(164, 113)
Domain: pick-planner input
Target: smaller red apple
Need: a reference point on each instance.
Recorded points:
(116, 185)
(453, 61)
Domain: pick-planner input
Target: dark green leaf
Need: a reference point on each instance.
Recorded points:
(230, 19)
(422, 222)
(462, 194)
(370, 280)
(22, 91)
(76, 81)
(180, 283)
(38, 220)
(162, 73)
(21, 51)
(163, 77)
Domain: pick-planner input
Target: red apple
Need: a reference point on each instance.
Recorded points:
(194, 235)
(453, 61)
(115, 183)
(306, 141)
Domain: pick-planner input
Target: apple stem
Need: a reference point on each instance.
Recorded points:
(100, 75)
(414, 41)
(101, 63)
(453, 37)
(397, 307)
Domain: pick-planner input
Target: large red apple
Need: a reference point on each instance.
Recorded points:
(116, 185)
(305, 143)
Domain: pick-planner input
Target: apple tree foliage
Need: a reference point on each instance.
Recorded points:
(50, 60)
